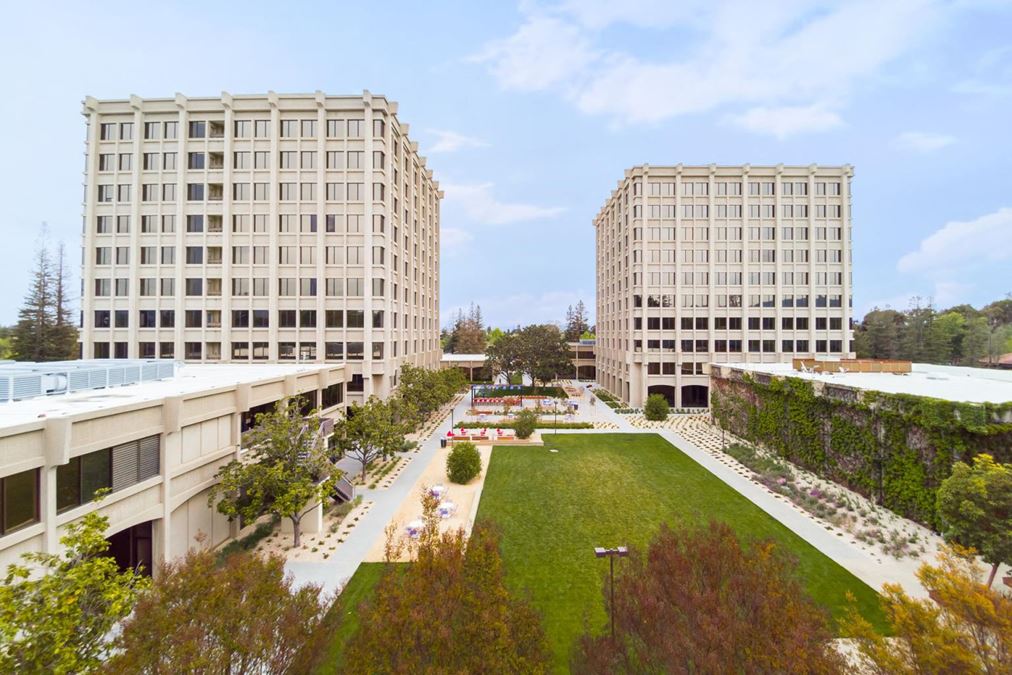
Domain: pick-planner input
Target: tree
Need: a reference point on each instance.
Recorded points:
(877, 337)
(424, 391)
(57, 609)
(243, 616)
(975, 507)
(504, 355)
(463, 463)
(45, 329)
(468, 333)
(64, 331)
(370, 431)
(965, 627)
(492, 336)
(657, 408)
(450, 611)
(285, 472)
(543, 353)
(698, 600)
(525, 423)
(576, 322)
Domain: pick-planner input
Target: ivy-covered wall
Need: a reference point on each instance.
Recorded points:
(894, 448)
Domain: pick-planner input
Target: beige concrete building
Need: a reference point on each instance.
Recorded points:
(725, 264)
(153, 432)
(264, 228)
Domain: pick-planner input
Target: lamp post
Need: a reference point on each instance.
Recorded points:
(611, 554)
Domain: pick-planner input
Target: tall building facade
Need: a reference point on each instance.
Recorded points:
(263, 228)
(719, 264)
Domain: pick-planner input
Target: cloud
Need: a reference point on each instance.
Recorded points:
(984, 239)
(786, 121)
(453, 239)
(520, 309)
(992, 75)
(480, 205)
(543, 52)
(451, 141)
(921, 141)
(800, 58)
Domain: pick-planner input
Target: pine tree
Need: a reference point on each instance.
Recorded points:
(65, 333)
(576, 322)
(45, 330)
(33, 332)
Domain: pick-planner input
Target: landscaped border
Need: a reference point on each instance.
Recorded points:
(893, 448)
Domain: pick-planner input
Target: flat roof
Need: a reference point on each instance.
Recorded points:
(950, 383)
(450, 358)
(189, 379)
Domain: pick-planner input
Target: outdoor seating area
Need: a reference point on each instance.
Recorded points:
(445, 509)
(479, 435)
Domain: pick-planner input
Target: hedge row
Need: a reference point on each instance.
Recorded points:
(493, 392)
(893, 448)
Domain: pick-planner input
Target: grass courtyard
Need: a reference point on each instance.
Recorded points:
(606, 490)
(615, 489)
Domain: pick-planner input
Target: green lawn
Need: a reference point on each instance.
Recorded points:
(345, 615)
(616, 489)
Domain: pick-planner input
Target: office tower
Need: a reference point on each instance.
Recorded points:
(262, 228)
(719, 264)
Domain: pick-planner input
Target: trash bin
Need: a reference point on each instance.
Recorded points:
(442, 442)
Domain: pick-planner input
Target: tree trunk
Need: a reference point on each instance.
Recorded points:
(365, 463)
(994, 573)
(296, 534)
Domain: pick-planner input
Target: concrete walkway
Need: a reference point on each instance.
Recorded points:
(334, 573)
(839, 547)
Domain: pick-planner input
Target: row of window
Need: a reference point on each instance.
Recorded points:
(243, 318)
(259, 351)
(199, 192)
(735, 323)
(723, 346)
(77, 481)
(733, 188)
(198, 255)
(307, 287)
(755, 255)
(241, 160)
(669, 211)
(766, 233)
(754, 300)
(755, 278)
(196, 223)
(288, 128)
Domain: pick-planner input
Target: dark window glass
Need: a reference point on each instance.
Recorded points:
(20, 499)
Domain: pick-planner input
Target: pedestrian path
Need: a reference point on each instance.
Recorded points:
(333, 574)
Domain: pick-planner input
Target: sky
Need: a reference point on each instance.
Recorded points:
(530, 112)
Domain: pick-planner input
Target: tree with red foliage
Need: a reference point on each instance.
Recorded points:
(699, 601)
(447, 611)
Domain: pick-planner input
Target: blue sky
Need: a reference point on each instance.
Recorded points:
(529, 113)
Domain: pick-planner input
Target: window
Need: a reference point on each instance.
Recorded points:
(261, 128)
(79, 480)
(289, 128)
(335, 318)
(240, 351)
(107, 131)
(242, 128)
(195, 192)
(19, 500)
(198, 129)
(152, 131)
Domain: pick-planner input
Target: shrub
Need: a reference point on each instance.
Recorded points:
(464, 463)
(657, 408)
(525, 423)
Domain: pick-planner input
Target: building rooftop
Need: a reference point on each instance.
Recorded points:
(951, 383)
(187, 379)
(454, 358)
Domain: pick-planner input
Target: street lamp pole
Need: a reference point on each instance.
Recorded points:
(611, 554)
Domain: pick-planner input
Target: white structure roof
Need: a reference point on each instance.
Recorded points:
(457, 358)
(951, 383)
(189, 378)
